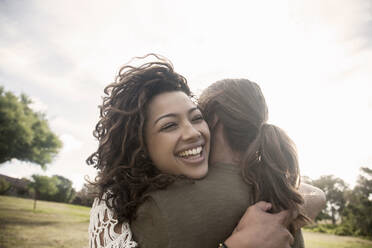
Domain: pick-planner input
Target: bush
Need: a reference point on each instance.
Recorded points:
(4, 186)
(323, 228)
(344, 230)
(85, 196)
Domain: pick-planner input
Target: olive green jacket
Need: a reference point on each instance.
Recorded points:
(195, 214)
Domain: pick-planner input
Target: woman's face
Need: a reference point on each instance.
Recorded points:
(177, 136)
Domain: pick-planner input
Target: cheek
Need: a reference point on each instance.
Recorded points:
(161, 153)
(151, 146)
(160, 147)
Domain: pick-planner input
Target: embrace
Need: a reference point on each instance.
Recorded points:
(176, 171)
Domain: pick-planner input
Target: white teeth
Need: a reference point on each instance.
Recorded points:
(191, 152)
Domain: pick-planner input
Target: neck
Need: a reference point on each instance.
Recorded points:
(221, 151)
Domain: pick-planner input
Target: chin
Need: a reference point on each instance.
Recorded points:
(199, 174)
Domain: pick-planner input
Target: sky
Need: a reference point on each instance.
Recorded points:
(312, 59)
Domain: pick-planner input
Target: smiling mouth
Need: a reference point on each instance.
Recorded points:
(191, 153)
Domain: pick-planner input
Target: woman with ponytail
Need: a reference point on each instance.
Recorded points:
(266, 155)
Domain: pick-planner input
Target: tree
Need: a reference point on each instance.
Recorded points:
(66, 192)
(25, 134)
(4, 186)
(364, 183)
(85, 196)
(357, 215)
(335, 190)
(42, 185)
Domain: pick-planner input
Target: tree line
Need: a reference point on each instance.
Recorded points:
(349, 211)
(55, 188)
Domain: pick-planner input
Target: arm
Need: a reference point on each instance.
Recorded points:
(150, 227)
(260, 229)
(105, 231)
(257, 228)
(314, 198)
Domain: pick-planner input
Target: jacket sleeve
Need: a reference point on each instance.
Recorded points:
(150, 227)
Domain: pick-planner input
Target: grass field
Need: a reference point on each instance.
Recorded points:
(53, 225)
(57, 225)
(321, 240)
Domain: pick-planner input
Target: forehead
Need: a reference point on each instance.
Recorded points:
(169, 102)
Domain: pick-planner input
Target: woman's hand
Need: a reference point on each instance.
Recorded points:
(257, 228)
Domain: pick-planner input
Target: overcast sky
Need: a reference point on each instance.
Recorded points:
(313, 60)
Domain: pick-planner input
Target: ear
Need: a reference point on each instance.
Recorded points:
(217, 132)
(214, 122)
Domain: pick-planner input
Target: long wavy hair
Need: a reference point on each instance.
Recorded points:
(269, 158)
(126, 171)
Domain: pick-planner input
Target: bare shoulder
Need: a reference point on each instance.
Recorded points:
(315, 199)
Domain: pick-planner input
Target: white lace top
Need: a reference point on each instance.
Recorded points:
(104, 230)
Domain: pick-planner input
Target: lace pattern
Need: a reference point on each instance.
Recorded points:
(104, 230)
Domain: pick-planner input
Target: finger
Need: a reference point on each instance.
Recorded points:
(284, 217)
(295, 214)
(290, 238)
(264, 206)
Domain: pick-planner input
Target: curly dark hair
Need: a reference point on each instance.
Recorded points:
(126, 172)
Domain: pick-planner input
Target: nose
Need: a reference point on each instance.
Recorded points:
(190, 132)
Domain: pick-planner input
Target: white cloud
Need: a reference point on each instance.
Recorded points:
(20, 169)
(310, 58)
(38, 105)
(70, 143)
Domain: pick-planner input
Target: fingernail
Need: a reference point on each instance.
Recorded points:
(268, 206)
(294, 214)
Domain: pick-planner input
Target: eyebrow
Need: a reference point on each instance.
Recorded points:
(174, 115)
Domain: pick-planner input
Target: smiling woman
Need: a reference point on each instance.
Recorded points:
(150, 133)
(177, 136)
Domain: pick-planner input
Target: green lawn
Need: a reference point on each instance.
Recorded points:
(57, 225)
(53, 225)
(322, 240)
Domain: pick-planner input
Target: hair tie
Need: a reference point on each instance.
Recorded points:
(264, 124)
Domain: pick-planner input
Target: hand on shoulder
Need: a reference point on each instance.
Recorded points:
(257, 228)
